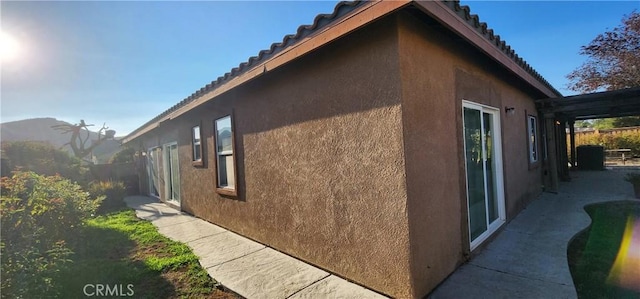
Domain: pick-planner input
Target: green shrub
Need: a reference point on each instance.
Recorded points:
(113, 193)
(38, 215)
(44, 159)
(125, 155)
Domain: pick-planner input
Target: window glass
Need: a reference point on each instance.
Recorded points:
(223, 131)
(533, 140)
(225, 163)
(197, 146)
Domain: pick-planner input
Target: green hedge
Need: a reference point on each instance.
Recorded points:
(44, 159)
(125, 155)
(38, 215)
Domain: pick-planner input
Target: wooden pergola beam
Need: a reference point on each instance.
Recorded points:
(617, 103)
(623, 102)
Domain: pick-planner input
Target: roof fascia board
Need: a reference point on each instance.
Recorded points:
(363, 15)
(448, 18)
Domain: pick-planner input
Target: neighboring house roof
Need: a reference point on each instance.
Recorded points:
(346, 17)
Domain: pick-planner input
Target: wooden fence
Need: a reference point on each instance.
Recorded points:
(611, 139)
(125, 172)
(584, 137)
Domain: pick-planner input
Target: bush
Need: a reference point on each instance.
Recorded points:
(38, 215)
(113, 193)
(126, 155)
(44, 159)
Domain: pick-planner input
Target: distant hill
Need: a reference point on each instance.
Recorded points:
(40, 129)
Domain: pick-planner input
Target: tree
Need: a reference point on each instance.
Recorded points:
(616, 122)
(42, 158)
(125, 155)
(613, 61)
(78, 143)
(583, 124)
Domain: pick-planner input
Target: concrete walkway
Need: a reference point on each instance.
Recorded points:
(528, 258)
(242, 265)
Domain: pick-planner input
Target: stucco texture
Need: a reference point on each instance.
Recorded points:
(351, 159)
(438, 72)
(320, 160)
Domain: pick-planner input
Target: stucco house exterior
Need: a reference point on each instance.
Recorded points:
(384, 143)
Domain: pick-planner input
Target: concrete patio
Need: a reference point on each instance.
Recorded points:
(528, 258)
(246, 267)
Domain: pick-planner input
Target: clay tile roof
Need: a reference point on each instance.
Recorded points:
(322, 20)
(464, 12)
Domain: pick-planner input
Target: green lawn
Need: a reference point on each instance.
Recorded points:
(592, 252)
(120, 251)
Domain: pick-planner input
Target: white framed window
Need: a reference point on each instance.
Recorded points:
(225, 159)
(196, 144)
(532, 138)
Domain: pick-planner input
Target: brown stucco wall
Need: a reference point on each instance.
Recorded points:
(437, 73)
(320, 160)
(351, 157)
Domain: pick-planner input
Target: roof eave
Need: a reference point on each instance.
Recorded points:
(443, 12)
(495, 50)
(365, 14)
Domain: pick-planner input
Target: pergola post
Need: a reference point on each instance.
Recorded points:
(551, 184)
(564, 154)
(615, 103)
(572, 141)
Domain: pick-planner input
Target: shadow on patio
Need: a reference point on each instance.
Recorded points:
(528, 258)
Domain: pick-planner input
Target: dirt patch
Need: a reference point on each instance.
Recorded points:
(179, 278)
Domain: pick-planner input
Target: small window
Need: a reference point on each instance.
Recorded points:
(532, 129)
(225, 162)
(196, 142)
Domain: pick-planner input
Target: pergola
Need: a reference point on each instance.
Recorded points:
(563, 111)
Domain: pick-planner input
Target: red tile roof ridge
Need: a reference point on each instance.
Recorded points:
(464, 12)
(320, 21)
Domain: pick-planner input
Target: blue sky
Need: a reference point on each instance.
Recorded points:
(123, 63)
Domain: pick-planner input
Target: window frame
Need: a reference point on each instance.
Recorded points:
(223, 190)
(153, 155)
(533, 147)
(197, 162)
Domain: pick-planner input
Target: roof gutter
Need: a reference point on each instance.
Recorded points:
(366, 13)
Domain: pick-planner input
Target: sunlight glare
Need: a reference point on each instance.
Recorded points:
(626, 268)
(9, 47)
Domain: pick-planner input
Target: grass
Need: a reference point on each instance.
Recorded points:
(592, 252)
(121, 251)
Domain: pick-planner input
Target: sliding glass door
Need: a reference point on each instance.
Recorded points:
(153, 170)
(171, 173)
(483, 163)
